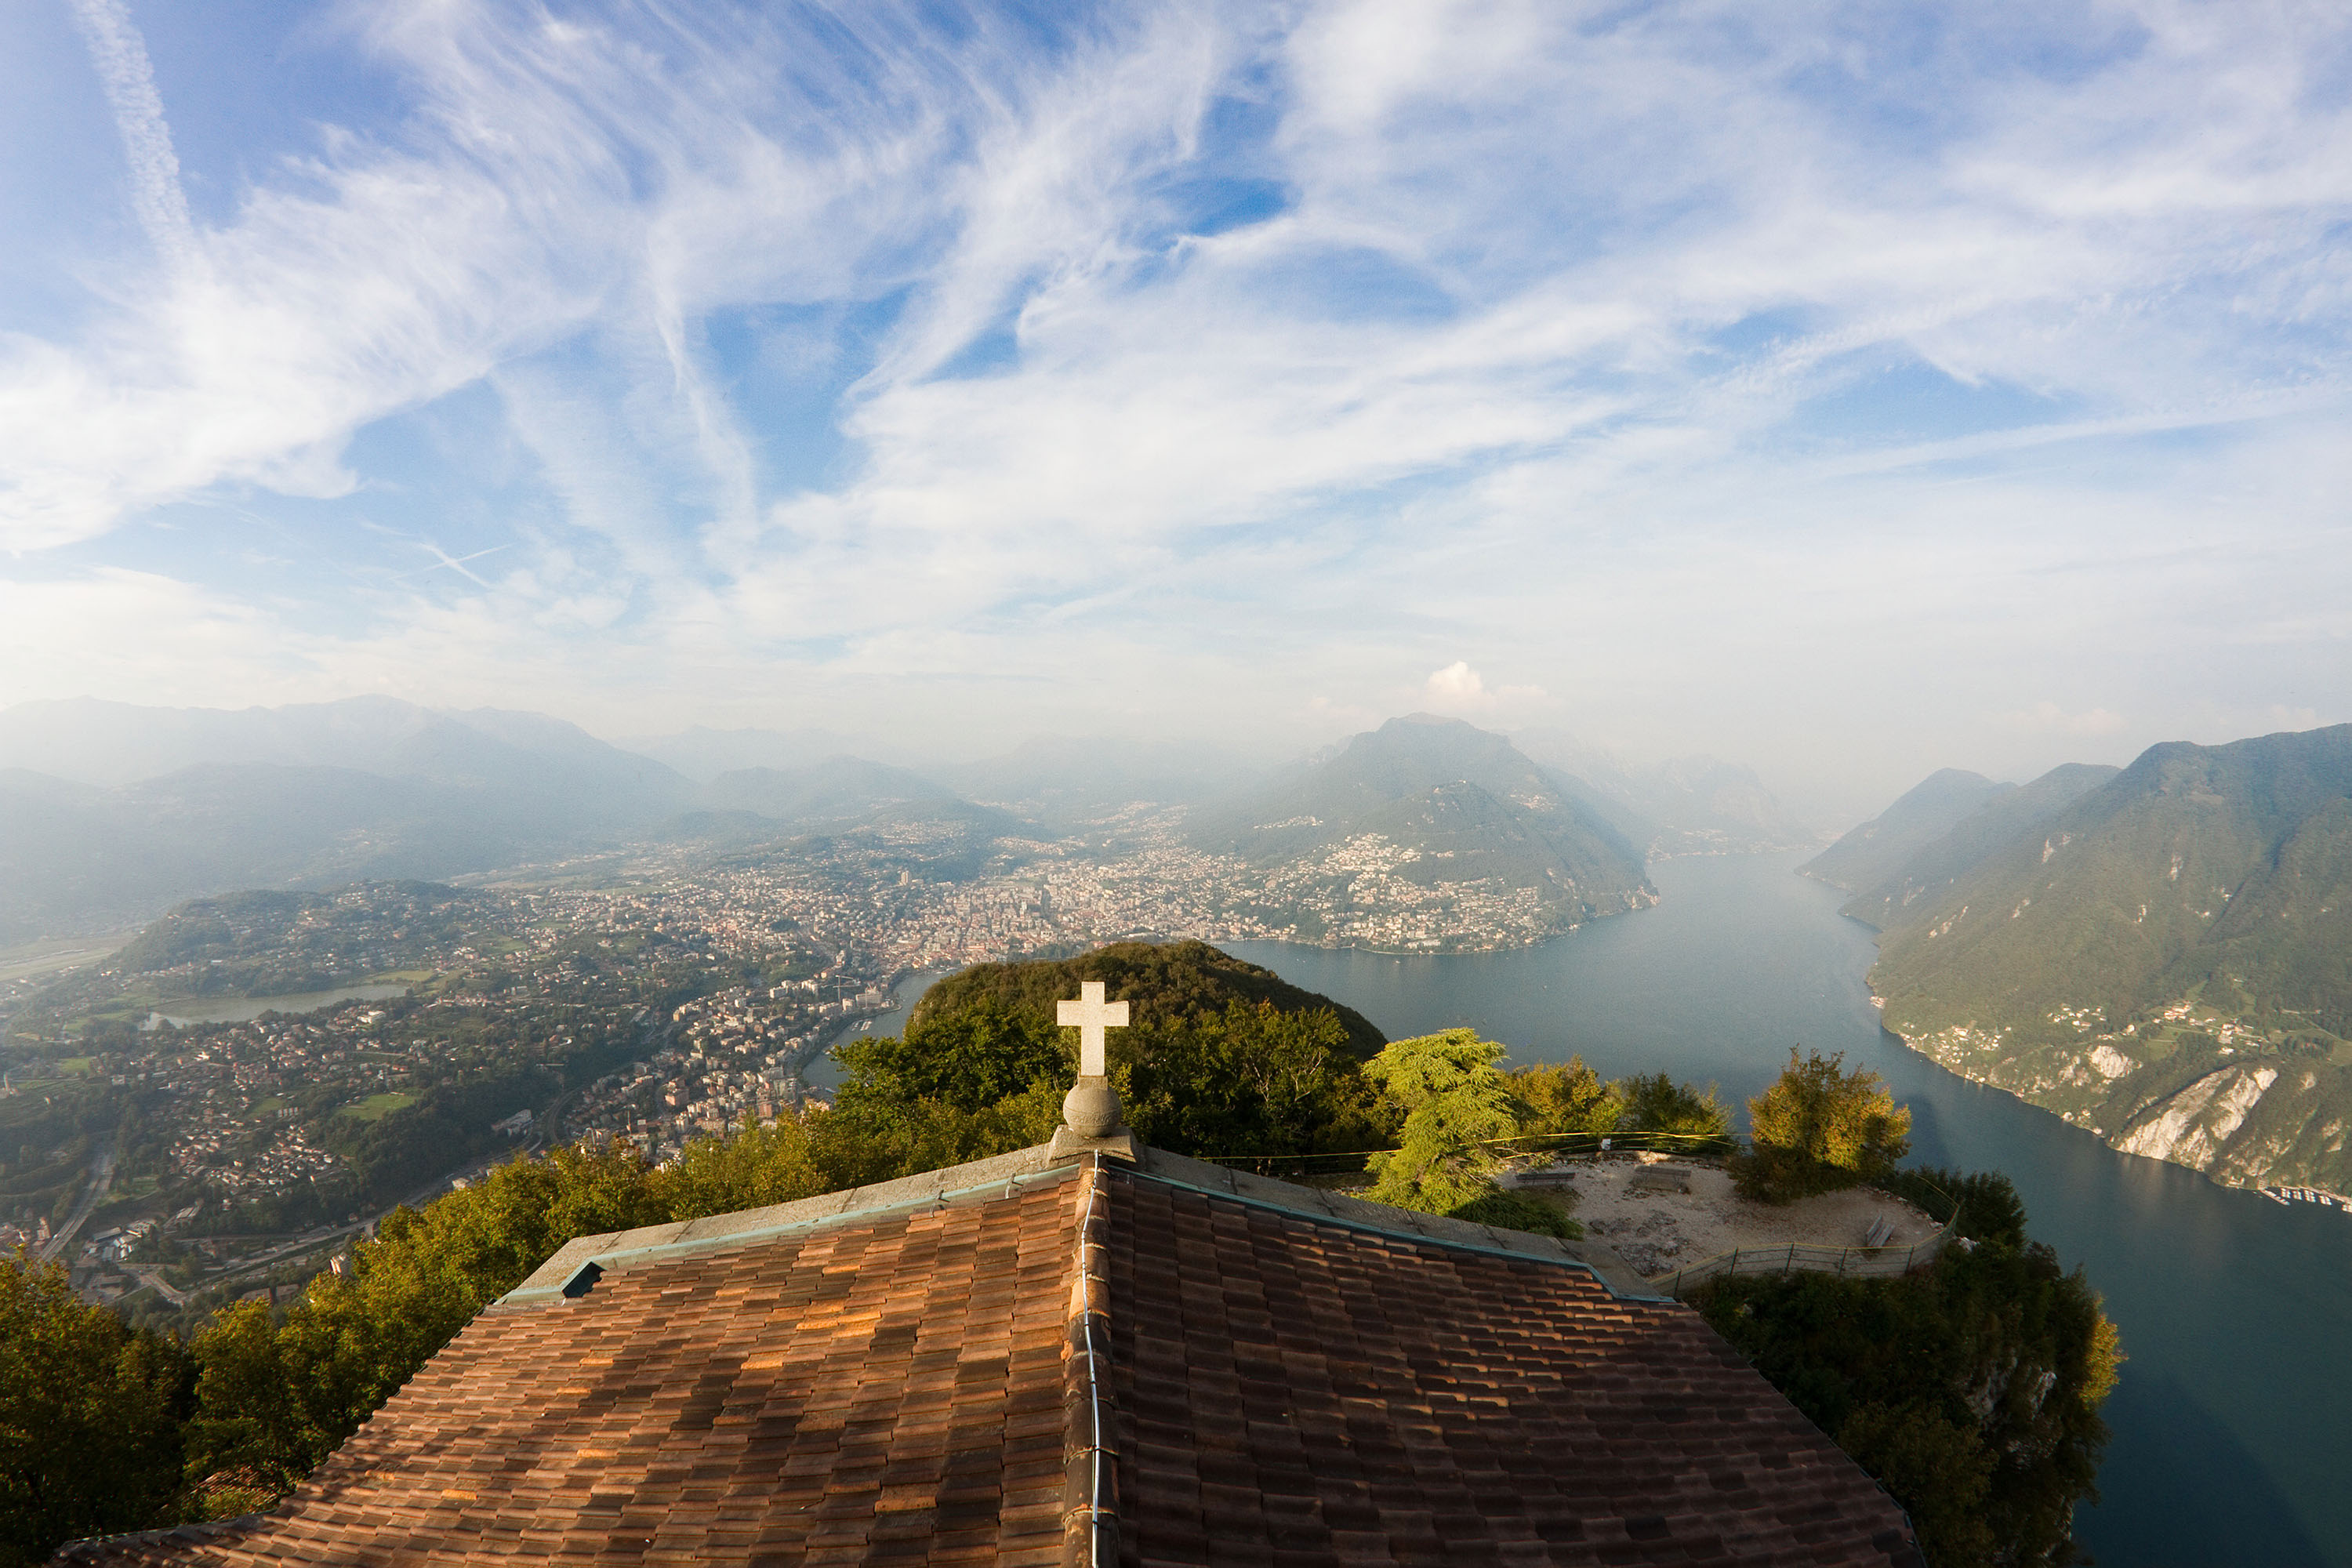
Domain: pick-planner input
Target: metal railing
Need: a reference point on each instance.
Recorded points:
(1557, 1144)
(1795, 1257)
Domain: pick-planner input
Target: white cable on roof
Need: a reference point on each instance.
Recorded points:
(1095, 1509)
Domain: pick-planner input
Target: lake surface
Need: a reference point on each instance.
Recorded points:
(243, 1009)
(2233, 1418)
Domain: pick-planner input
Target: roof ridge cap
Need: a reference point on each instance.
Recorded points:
(1089, 1420)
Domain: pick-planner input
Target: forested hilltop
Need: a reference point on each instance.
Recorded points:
(1165, 983)
(2164, 958)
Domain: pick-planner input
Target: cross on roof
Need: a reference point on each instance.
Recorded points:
(1092, 1016)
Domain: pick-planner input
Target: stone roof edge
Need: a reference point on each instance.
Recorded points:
(1612, 1273)
(103, 1548)
(652, 1243)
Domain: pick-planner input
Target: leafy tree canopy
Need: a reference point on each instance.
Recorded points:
(1971, 1389)
(1565, 1097)
(90, 1414)
(1655, 1102)
(1456, 1105)
(1818, 1127)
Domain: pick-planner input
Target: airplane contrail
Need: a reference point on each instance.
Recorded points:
(119, 56)
(454, 563)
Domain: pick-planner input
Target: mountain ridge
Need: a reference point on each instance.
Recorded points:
(1866, 856)
(2166, 960)
(1696, 805)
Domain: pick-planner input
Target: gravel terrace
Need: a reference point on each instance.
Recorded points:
(1656, 1230)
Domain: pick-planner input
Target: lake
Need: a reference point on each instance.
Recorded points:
(2233, 1418)
(242, 1009)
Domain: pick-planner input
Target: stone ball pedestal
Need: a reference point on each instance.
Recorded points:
(1092, 1108)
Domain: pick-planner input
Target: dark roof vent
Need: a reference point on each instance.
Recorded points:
(579, 1284)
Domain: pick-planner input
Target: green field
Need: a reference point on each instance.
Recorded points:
(377, 1107)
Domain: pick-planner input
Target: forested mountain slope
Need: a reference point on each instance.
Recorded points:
(2167, 961)
(1880, 848)
(2004, 815)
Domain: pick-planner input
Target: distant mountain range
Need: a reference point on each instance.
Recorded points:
(1685, 805)
(1869, 855)
(1437, 804)
(1069, 780)
(2162, 955)
(702, 753)
(1062, 780)
(1894, 861)
(111, 813)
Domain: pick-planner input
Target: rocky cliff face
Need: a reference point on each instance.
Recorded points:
(2191, 1087)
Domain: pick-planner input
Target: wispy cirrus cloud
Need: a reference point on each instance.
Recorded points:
(1236, 356)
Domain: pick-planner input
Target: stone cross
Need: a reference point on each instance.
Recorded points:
(1092, 1016)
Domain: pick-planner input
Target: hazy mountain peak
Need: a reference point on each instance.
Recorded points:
(1876, 850)
(1438, 802)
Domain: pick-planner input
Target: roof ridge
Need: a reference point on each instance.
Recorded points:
(1090, 1484)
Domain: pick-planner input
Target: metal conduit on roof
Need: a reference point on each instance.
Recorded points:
(1090, 1502)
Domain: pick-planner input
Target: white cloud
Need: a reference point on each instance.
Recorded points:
(1460, 689)
(1681, 410)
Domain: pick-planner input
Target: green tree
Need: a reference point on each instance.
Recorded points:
(1983, 1205)
(1565, 1097)
(982, 1080)
(1818, 1127)
(1939, 1467)
(969, 1058)
(756, 1167)
(90, 1412)
(1456, 1103)
(1655, 1102)
(1249, 1079)
(273, 1399)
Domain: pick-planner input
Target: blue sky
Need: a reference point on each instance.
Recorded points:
(1855, 389)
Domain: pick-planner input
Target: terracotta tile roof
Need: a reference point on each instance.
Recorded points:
(1275, 1377)
(1295, 1390)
